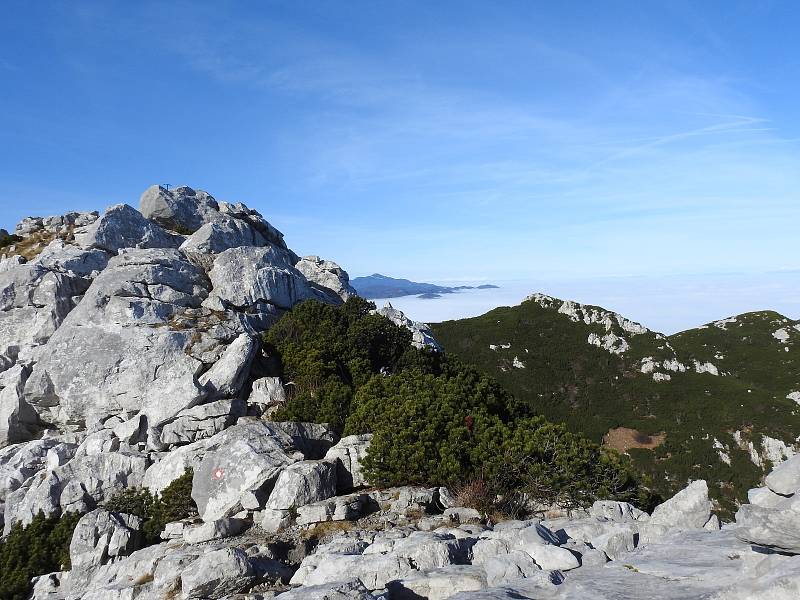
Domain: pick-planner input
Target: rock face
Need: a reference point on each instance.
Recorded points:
(122, 316)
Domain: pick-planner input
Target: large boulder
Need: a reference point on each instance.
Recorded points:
(688, 509)
(122, 226)
(256, 280)
(785, 478)
(213, 238)
(243, 460)
(303, 483)
(348, 454)
(20, 462)
(181, 209)
(217, 574)
(226, 377)
(769, 527)
(18, 421)
(327, 275)
(201, 421)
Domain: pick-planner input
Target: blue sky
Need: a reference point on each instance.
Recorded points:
(431, 140)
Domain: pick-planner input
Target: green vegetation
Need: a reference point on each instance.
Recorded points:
(592, 391)
(174, 503)
(35, 549)
(434, 419)
(6, 239)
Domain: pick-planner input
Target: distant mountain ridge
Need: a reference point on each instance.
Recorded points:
(718, 402)
(382, 286)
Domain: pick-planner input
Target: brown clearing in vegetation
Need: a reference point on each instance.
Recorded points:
(625, 438)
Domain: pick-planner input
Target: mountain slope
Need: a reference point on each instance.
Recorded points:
(685, 406)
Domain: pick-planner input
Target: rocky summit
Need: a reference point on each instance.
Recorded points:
(133, 373)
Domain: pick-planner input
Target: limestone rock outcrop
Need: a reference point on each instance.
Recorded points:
(422, 336)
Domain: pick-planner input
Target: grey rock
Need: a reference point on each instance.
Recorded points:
(248, 456)
(780, 583)
(459, 514)
(77, 486)
(181, 209)
(785, 478)
(422, 336)
(216, 574)
(213, 530)
(99, 442)
(116, 353)
(213, 238)
(272, 520)
(438, 584)
(339, 508)
(256, 280)
(769, 527)
(18, 420)
(67, 258)
(303, 483)
(348, 454)
(503, 567)
(122, 226)
(326, 274)
(620, 512)
(226, 377)
(374, 570)
(171, 465)
(20, 462)
(712, 524)
(34, 301)
(102, 536)
(200, 422)
(251, 216)
(765, 497)
(352, 589)
(267, 392)
(616, 542)
(430, 550)
(688, 509)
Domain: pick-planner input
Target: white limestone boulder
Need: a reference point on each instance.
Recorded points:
(303, 483)
(102, 536)
(348, 453)
(785, 478)
(774, 528)
(122, 226)
(245, 458)
(217, 574)
(327, 275)
(688, 509)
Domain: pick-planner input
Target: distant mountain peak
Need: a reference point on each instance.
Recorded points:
(382, 286)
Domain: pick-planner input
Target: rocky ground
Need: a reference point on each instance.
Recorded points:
(129, 352)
